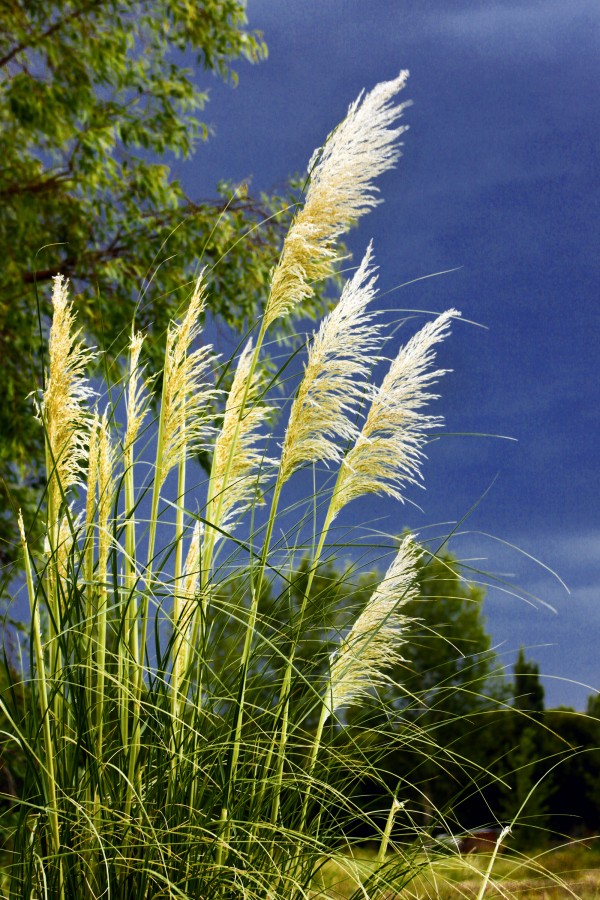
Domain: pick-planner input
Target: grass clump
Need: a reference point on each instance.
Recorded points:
(180, 740)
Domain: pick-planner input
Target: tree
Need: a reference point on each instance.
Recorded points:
(529, 789)
(528, 691)
(574, 739)
(593, 706)
(95, 97)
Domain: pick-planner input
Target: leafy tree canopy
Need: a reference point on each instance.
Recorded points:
(95, 97)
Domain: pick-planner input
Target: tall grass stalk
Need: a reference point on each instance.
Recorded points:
(176, 736)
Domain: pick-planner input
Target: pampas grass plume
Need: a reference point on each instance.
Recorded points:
(187, 395)
(374, 641)
(137, 391)
(239, 457)
(323, 416)
(388, 452)
(187, 592)
(341, 190)
(64, 404)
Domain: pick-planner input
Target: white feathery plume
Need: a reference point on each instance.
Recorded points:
(91, 484)
(186, 396)
(323, 414)
(341, 190)
(388, 451)
(235, 475)
(191, 568)
(67, 531)
(188, 593)
(137, 404)
(64, 402)
(374, 641)
(101, 479)
(137, 391)
(106, 488)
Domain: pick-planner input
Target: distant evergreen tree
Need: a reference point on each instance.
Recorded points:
(528, 691)
(574, 739)
(529, 791)
(593, 706)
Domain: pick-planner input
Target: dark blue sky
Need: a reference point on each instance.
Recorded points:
(500, 176)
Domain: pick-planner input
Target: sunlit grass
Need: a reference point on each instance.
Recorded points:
(570, 870)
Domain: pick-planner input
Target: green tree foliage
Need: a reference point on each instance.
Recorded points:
(528, 756)
(464, 749)
(528, 691)
(593, 706)
(547, 766)
(572, 740)
(545, 763)
(528, 788)
(488, 751)
(96, 97)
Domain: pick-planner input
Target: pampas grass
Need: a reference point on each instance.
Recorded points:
(388, 451)
(234, 478)
(323, 415)
(341, 190)
(64, 409)
(373, 644)
(176, 745)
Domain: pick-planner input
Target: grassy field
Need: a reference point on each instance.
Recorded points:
(571, 871)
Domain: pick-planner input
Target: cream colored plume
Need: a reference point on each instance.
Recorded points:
(64, 404)
(341, 190)
(63, 558)
(106, 490)
(374, 641)
(187, 592)
(191, 568)
(323, 415)
(388, 452)
(235, 474)
(92, 480)
(137, 391)
(101, 481)
(186, 396)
